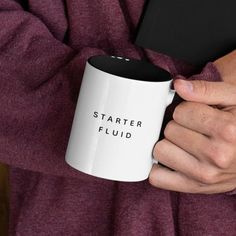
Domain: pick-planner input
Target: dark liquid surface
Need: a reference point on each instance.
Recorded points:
(130, 68)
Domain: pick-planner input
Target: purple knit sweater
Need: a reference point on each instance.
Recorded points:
(43, 49)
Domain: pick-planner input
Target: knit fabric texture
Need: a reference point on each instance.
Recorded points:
(43, 49)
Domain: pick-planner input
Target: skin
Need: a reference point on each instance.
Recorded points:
(200, 146)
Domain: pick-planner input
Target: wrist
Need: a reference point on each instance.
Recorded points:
(226, 67)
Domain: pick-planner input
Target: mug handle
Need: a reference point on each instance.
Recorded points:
(170, 96)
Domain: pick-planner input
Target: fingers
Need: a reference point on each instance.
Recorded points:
(211, 93)
(204, 119)
(192, 142)
(215, 152)
(177, 159)
(181, 161)
(164, 178)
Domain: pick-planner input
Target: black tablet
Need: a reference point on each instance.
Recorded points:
(190, 30)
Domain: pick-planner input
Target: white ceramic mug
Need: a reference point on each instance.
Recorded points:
(118, 118)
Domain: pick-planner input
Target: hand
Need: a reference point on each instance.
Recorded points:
(200, 141)
(226, 66)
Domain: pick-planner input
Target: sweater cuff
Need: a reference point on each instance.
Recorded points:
(208, 73)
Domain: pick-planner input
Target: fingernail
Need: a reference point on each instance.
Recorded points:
(187, 85)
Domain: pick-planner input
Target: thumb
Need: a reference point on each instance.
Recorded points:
(211, 93)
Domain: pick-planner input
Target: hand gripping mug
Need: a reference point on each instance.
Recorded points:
(118, 118)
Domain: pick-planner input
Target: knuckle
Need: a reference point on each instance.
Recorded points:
(219, 155)
(202, 88)
(228, 132)
(223, 163)
(200, 188)
(208, 177)
(209, 152)
(223, 158)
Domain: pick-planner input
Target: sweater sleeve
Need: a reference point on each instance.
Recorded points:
(39, 83)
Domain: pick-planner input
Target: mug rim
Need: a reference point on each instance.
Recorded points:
(162, 72)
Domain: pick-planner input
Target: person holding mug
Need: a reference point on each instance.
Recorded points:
(44, 48)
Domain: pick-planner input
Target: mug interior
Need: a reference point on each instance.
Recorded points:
(130, 68)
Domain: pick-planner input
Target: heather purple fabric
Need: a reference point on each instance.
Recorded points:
(43, 49)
